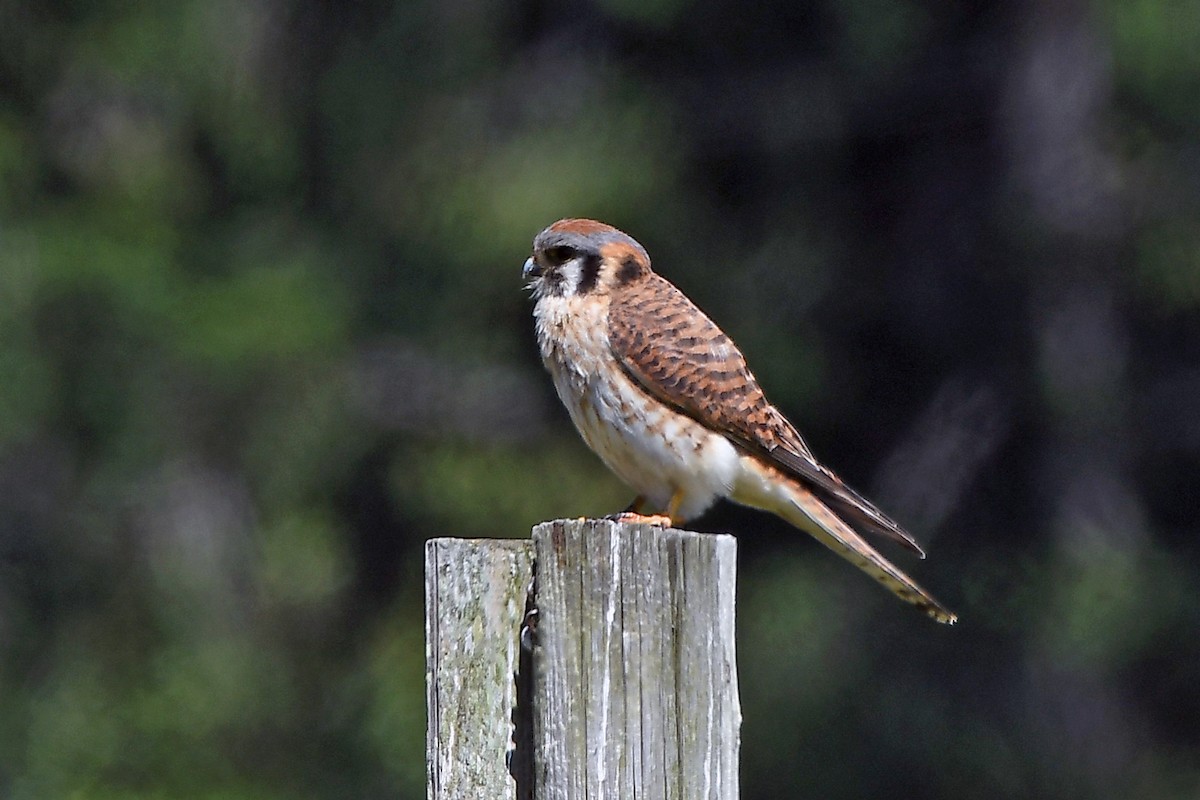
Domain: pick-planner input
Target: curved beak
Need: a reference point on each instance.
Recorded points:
(531, 270)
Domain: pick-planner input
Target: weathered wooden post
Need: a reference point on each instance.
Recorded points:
(475, 592)
(633, 691)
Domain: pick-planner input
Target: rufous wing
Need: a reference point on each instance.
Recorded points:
(679, 355)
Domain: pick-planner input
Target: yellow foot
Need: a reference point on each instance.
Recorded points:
(632, 517)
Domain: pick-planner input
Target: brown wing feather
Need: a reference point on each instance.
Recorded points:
(680, 356)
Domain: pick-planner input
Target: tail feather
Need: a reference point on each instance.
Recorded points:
(764, 486)
(808, 513)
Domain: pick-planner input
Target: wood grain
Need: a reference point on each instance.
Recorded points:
(475, 593)
(635, 685)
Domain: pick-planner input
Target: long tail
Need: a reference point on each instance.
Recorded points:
(801, 508)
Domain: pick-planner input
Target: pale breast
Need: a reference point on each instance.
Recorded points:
(653, 448)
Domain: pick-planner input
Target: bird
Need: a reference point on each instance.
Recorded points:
(666, 400)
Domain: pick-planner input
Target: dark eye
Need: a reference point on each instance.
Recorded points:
(556, 256)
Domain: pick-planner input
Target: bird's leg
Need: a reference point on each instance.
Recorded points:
(634, 514)
(673, 506)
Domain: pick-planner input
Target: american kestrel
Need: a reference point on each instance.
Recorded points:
(666, 400)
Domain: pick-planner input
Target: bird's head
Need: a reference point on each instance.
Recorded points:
(580, 257)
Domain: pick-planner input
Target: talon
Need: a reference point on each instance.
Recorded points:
(630, 517)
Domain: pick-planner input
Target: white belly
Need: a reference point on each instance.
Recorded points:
(654, 449)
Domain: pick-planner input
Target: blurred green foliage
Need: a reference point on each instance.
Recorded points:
(262, 334)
